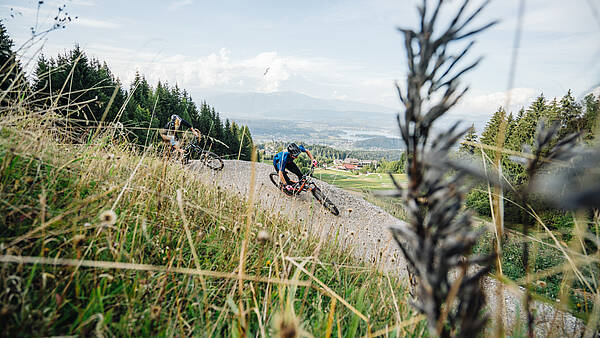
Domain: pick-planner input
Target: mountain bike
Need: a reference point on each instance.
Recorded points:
(193, 151)
(306, 184)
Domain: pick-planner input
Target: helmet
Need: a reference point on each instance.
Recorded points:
(175, 117)
(294, 150)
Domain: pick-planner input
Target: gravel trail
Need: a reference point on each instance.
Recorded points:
(363, 227)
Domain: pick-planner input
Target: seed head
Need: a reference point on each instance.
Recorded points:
(263, 237)
(155, 311)
(77, 239)
(108, 217)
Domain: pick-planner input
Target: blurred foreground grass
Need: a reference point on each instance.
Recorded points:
(121, 217)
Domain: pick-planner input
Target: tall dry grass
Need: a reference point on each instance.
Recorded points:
(100, 237)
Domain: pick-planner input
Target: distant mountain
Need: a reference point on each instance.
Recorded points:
(290, 116)
(380, 143)
(271, 103)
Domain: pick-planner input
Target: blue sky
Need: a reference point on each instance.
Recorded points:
(348, 50)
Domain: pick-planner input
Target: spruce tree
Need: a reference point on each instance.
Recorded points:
(470, 136)
(11, 74)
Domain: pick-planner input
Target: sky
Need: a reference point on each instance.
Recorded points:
(341, 49)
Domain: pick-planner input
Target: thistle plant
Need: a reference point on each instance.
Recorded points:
(438, 237)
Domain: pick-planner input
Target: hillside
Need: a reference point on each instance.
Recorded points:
(106, 241)
(362, 228)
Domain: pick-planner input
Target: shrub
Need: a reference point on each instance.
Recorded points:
(479, 202)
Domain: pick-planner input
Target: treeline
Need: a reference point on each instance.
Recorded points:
(570, 115)
(88, 93)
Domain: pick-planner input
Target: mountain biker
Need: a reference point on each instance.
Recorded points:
(169, 131)
(285, 160)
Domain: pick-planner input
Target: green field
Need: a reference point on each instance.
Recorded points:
(359, 183)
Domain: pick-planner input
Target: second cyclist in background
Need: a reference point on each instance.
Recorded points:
(169, 131)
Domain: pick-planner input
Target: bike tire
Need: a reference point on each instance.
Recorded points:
(211, 160)
(274, 177)
(326, 202)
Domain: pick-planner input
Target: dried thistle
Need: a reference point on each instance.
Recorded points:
(438, 237)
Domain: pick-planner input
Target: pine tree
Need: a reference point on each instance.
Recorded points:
(11, 74)
(471, 136)
(591, 106)
(571, 115)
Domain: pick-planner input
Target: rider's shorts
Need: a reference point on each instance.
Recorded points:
(172, 140)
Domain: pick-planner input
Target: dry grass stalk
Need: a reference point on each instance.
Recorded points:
(144, 267)
(438, 238)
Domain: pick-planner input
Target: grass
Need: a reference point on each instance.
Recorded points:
(155, 251)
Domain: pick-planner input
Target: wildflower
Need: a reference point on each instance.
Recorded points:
(87, 224)
(108, 217)
(263, 237)
(268, 262)
(541, 284)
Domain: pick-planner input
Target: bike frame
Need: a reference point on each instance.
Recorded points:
(301, 185)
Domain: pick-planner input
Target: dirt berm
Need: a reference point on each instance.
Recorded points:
(362, 227)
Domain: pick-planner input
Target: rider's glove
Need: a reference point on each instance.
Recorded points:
(289, 187)
(314, 163)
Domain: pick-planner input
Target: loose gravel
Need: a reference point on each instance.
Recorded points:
(363, 228)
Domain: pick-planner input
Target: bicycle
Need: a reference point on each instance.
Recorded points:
(193, 151)
(305, 184)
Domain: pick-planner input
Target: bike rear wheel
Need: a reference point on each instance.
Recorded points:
(211, 160)
(326, 202)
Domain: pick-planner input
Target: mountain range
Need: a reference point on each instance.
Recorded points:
(289, 116)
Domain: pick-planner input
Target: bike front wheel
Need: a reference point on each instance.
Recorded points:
(326, 202)
(274, 177)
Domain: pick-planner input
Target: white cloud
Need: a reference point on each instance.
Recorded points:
(489, 102)
(176, 4)
(477, 108)
(264, 72)
(101, 24)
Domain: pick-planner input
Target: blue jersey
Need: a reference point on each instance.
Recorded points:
(281, 159)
